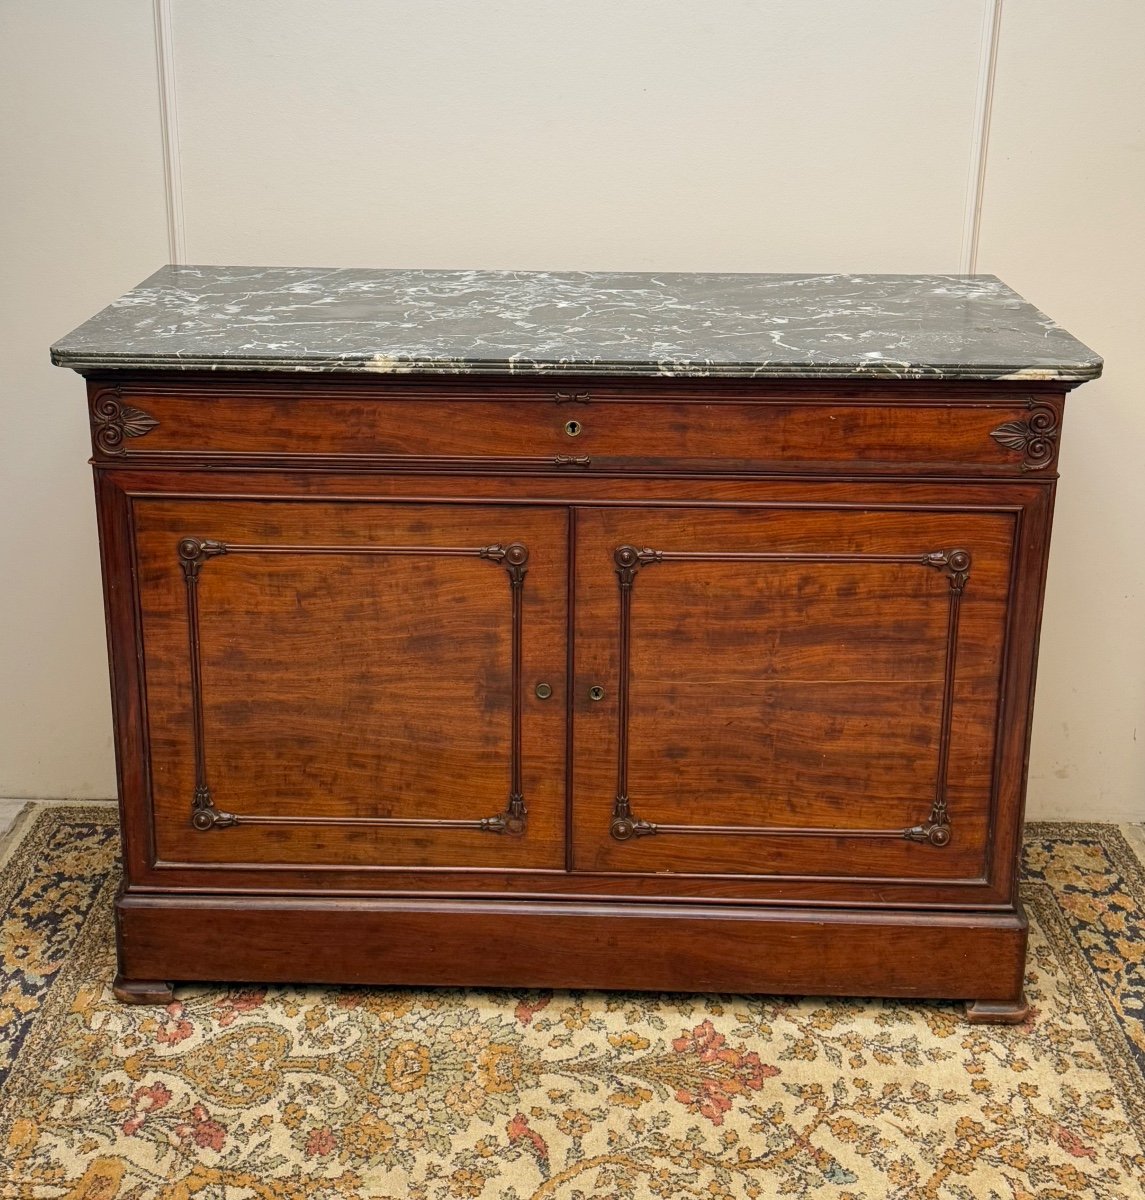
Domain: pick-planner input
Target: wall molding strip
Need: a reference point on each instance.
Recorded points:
(983, 112)
(169, 127)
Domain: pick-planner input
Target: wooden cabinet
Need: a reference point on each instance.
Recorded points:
(369, 694)
(590, 681)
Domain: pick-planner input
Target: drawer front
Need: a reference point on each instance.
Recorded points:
(352, 685)
(601, 429)
(782, 691)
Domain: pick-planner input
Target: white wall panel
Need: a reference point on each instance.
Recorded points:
(1063, 221)
(81, 199)
(797, 135)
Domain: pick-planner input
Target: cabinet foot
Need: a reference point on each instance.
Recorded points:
(142, 991)
(997, 1012)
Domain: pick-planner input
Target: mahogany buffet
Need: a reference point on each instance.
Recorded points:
(574, 630)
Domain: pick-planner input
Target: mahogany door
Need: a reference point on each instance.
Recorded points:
(788, 689)
(354, 683)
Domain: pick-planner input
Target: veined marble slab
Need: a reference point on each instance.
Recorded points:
(584, 323)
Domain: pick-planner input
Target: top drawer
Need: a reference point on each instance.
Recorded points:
(673, 426)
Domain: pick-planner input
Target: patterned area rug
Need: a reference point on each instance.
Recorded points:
(312, 1093)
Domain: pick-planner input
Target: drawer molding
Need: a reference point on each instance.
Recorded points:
(194, 552)
(457, 426)
(629, 560)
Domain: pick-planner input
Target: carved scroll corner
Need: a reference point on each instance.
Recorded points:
(514, 558)
(936, 830)
(629, 560)
(514, 554)
(937, 835)
(204, 814)
(954, 564)
(624, 825)
(113, 422)
(511, 821)
(193, 552)
(189, 549)
(1035, 438)
(625, 828)
(503, 823)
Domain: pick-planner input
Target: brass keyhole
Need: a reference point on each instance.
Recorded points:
(572, 428)
(596, 692)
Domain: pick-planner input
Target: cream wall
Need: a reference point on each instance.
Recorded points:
(638, 134)
(81, 217)
(1064, 221)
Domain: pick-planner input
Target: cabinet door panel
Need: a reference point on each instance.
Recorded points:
(352, 683)
(789, 690)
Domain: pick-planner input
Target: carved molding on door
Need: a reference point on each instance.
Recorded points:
(514, 558)
(630, 560)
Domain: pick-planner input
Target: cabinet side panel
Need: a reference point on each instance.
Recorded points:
(125, 663)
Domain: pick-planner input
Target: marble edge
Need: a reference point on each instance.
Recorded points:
(384, 365)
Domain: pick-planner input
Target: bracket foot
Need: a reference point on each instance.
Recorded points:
(997, 1012)
(142, 991)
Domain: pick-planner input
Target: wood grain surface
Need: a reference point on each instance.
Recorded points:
(917, 427)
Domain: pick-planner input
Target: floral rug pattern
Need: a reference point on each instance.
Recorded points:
(372, 1094)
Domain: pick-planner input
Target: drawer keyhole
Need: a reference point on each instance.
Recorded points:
(596, 692)
(572, 428)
